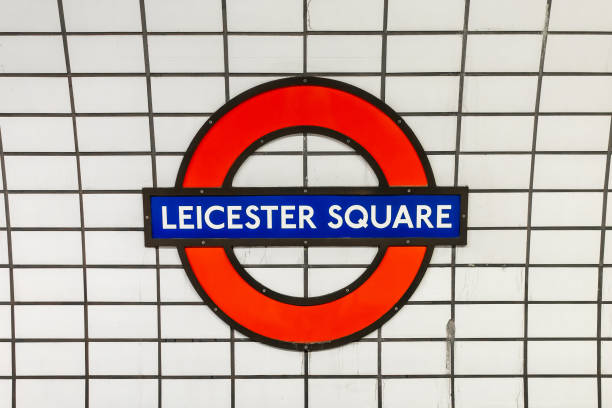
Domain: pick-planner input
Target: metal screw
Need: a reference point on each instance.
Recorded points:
(210, 121)
(203, 242)
(305, 190)
(399, 121)
(264, 290)
(215, 309)
(407, 241)
(346, 290)
(305, 242)
(201, 191)
(261, 141)
(305, 80)
(462, 215)
(348, 140)
(396, 308)
(146, 217)
(408, 190)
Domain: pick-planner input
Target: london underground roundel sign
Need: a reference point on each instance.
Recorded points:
(205, 217)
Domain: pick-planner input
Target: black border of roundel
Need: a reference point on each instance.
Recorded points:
(281, 83)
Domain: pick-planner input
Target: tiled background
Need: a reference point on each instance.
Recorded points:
(99, 98)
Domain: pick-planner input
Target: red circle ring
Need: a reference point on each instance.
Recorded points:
(295, 102)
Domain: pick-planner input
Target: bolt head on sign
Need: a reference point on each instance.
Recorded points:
(204, 217)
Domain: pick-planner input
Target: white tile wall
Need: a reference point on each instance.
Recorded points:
(489, 357)
(563, 283)
(423, 53)
(422, 94)
(352, 359)
(30, 15)
(49, 358)
(589, 16)
(562, 357)
(186, 53)
(489, 320)
(357, 53)
(576, 94)
(194, 393)
(562, 392)
(562, 320)
(578, 53)
(503, 53)
(414, 358)
(42, 134)
(124, 358)
(113, 134)
(524, 295)
(111, 53)
(48, 285)
(204, 358)
(496, 133)
(425, 392)
(265, 53)
(91, 15)
(489, 284)
(183, 15)
(34, 95)
(418, 321)
(122, 94)
(243, 15)
(343, 392)
(425, 15)
(122, 393)
(499, 94)
(507, 15)
(32, 54)
(435, 286)
(559, 133)
(186, 94)
(486, 392)
(55, 392)
(345, 15)
(484, 208)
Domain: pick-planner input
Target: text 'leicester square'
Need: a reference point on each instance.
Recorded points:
(307, 216)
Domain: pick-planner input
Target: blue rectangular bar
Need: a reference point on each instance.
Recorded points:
(305, 216)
